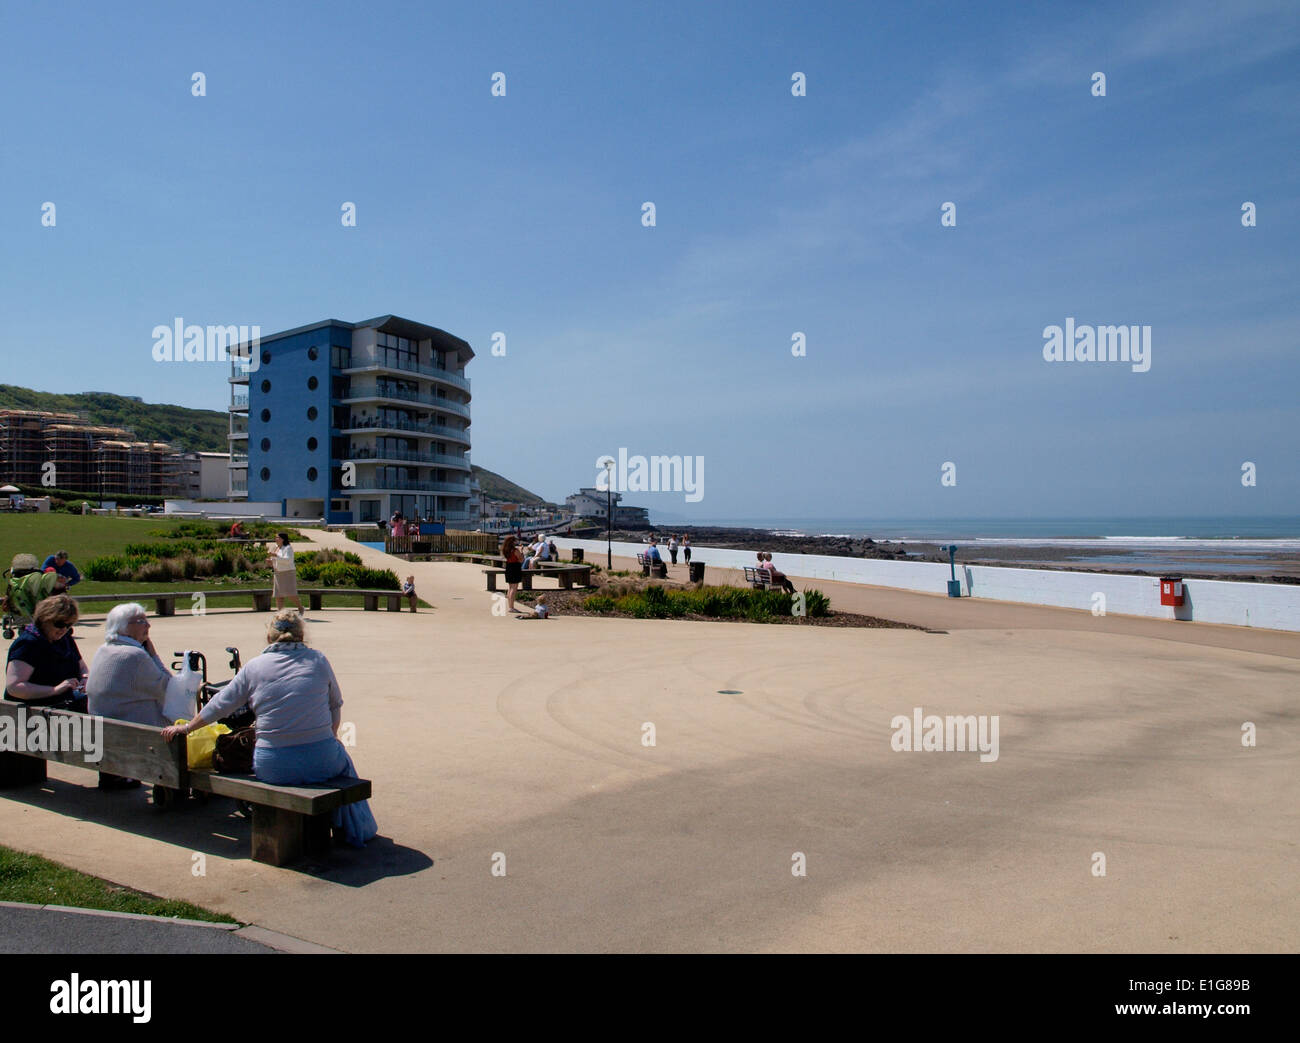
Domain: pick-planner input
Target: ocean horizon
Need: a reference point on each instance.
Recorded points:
(1280, 532)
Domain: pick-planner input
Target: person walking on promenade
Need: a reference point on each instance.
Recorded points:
(285, 575)
(672, 547)
(686, 548)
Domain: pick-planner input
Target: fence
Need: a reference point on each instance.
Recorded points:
(450, 543)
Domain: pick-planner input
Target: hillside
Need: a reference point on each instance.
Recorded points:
(201, 430)
(497, 488)
(193, 430)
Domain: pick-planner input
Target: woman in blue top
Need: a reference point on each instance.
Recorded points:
(295, 695)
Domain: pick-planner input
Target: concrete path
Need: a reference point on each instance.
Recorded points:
(32, 929)
(521, 808)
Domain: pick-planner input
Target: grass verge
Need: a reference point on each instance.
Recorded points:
(38, 881)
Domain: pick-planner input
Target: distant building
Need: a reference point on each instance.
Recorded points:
(201, 476)
(85, 458)
(591, 503)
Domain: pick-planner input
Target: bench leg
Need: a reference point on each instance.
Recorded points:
(313, 602)
(261, 602)
(528, 581)
(394, 603)
(492, 581)
(166, 606)
(371, 602)
(281, 837)
(16, 769)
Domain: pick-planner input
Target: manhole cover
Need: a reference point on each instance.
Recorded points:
(729, 691)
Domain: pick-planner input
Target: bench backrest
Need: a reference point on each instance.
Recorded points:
(136, 751)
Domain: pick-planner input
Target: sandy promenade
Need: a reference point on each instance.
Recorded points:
(484, 735)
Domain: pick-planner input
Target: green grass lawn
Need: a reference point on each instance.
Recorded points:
(38, 881)
(91, 536)
(83, 538)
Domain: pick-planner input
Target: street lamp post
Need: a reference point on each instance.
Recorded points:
(609, 514)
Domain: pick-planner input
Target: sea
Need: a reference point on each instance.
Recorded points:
(1223, 543)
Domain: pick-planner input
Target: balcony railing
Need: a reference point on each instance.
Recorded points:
(242, 433)
(371, 423)
(365, 365)
(239, 487)
(238, 460)
(385, 482)
(364, 391)
(369, 452)
(238, 401)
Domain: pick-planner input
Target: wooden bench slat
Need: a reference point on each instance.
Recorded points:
(136, 751)
(303, 800)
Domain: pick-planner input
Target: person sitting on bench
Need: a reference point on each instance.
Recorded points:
(128, 681)
(295, 695)
(652, 553)
(45, 667)
(777, 577)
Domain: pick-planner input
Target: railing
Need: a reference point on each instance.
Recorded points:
(243, 433)
(386, 483)
(238, 460)
(238, 401)
(239, 487)
(451, 543)
(435, 372)
(402, 395)
(375, 424)
(366, 452)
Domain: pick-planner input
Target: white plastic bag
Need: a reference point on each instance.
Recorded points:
(181, 700)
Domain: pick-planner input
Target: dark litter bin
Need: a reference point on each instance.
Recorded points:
(577, 553)
(697, 572)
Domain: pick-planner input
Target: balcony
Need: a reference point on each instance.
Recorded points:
(377, 426)
(239, 403)
(368, 482)
(403, 366)
(238, 434)
(239, 460)
(369, 452)
(239, 488)
(388, 391)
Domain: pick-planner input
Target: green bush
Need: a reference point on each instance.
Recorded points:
(336, 574)
(657, 602)
(105, 569)
(376, 579)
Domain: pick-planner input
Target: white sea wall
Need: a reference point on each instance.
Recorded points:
(1271, 606)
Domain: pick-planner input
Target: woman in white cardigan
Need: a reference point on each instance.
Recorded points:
(128, 681)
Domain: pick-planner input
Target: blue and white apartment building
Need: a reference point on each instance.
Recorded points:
(388, 396)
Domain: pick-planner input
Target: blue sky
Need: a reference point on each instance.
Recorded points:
(775, 214)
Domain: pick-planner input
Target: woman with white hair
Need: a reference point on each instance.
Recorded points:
(128, 681)
(295, 695)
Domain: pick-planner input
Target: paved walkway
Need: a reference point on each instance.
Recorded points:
(495, 745)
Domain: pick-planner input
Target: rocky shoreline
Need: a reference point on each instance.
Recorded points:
(1271, 569)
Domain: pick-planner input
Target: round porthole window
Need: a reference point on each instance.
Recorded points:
(312, 383)
(266, 358)
(311, 445)
(311, 474)
(266, 415)
(311, 413)
(313, 354)
(266, 386)
(266, 474)
(266, 444)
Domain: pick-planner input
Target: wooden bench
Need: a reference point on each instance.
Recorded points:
(648, 566)
(759, 579)
(369, 598)
(165, 601)
(568, 576)
(288, 821)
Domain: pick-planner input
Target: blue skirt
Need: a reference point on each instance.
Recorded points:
(317, 762)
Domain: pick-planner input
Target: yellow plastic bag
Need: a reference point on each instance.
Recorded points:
(201, 744)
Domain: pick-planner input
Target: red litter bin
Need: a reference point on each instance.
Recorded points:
(1171, 591)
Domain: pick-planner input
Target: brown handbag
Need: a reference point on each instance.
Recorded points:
(234, 752)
